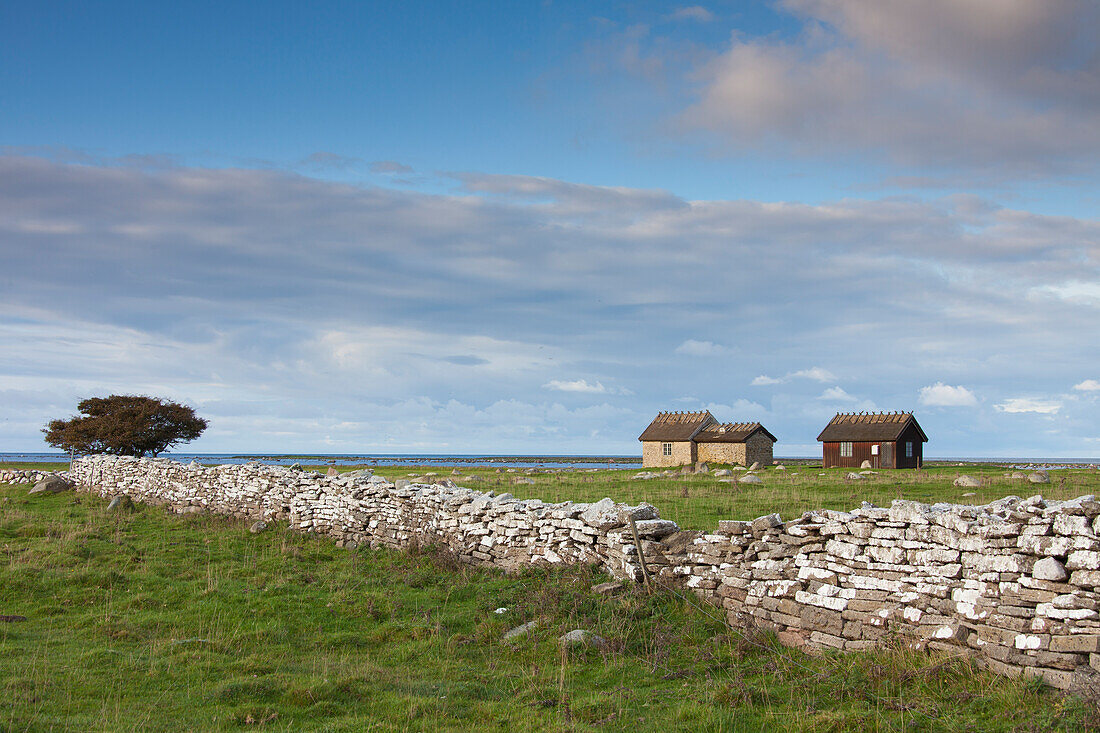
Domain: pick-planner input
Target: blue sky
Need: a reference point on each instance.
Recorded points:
(509, 227)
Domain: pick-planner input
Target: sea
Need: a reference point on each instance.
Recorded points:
(373, 459)
(549, 461)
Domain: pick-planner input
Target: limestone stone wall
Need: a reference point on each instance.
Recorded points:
(683, 454)
(758, 448)
(733, 453)
(1012, 583)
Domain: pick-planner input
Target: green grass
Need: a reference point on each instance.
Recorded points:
(34, 466)
(699, 501)
(145, 620)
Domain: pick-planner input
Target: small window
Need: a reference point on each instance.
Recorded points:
(909, 450)
(666, 449)
(846, 450)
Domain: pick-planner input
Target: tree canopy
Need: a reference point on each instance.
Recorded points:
(125, 425)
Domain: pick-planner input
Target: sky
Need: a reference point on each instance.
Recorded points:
(501, 227)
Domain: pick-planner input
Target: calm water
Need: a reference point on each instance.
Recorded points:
(374, 459)
(411, 459)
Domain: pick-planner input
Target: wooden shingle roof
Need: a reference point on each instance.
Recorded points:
(859, 426)
(731, 432)
(673, 427)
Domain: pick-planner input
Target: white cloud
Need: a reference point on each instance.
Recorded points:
(1027, 404)
(944, 395)
(1074, 291)
(691, 347)
(583, 386)
(817, 374)
(1089, 385)
(836, 394)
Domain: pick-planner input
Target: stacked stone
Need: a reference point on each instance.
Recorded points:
(26, 477)
(368, 510)
(1013, 583)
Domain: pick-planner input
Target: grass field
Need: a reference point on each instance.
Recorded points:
(699, 501)
(143, 620)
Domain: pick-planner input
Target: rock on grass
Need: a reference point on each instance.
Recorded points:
(52, 484)
(583, 638)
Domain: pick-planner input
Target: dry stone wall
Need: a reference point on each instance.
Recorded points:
(731, 453)
(1013, 583)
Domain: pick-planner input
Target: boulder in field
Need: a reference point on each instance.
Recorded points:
(755, 466)
(750, 478)
(865, 464)
(968, 482)
(51, 484)
(583, 638)
(521, 630)
(1039, 477)
(853, 476)
(258, 527)
(120, 503)
(331, 472)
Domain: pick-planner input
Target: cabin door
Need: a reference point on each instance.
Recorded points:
(887, 451)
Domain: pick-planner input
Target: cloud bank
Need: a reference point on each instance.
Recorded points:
(1011, 86)
(303, 313)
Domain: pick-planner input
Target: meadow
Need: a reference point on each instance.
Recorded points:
(146, 620)
(698, 501)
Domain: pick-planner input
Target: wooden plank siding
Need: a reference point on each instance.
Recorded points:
(861, 451)
(891, 453)
(911, 434)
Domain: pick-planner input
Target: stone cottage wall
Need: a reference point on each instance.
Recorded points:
(1012, 583)
(758, 448)
(732, 453)
(683, 454)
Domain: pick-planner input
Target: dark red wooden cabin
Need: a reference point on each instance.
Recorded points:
(886, 439)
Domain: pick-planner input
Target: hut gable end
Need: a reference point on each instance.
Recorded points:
(675, 427)
(872, 426)
(731, 432)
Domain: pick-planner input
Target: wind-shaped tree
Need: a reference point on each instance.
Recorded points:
(125, 425)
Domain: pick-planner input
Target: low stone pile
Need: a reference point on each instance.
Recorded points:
(26, 477)
(1013, 583)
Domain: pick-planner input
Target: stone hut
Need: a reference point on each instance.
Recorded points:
(884, 439)
(681, 438)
